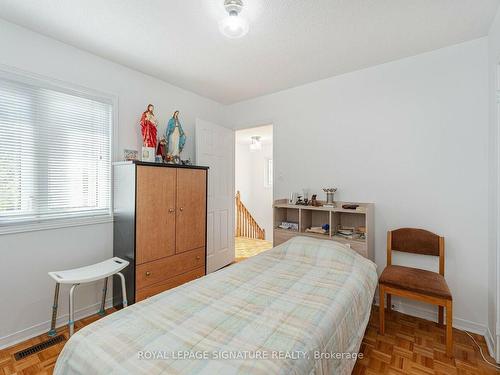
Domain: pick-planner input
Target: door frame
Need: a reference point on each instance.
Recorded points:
(258, 125)
(496, 110)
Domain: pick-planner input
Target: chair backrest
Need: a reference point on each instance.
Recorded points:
(416, 241)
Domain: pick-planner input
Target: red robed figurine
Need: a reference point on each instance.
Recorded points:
(149, 127)
(161, 150)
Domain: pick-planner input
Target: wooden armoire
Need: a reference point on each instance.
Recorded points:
(160, 216)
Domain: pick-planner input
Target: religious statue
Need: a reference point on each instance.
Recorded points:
(161, 150)
(176, 138)
(149, 126)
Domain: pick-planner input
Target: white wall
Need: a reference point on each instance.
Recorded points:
(410, 136)
(494, 258)
(25, 289)
(250, 176)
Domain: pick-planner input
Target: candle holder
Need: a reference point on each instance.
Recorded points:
(329, 197)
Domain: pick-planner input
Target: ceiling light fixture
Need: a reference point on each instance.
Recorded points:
(255, 144)
(233, 26)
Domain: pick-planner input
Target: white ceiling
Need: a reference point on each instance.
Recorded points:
(291, 42)
(265, 133)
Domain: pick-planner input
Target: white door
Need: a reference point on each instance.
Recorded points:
(215, 149)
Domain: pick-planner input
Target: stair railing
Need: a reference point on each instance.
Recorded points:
(246, 225)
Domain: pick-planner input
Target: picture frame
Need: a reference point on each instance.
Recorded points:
(130, 155)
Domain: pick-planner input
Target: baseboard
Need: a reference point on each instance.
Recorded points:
(428, 314)
(38, 329)
(490, 343)
(497, 344)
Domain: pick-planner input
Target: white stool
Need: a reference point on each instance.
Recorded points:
(86, 274)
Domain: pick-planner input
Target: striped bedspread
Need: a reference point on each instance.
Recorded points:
(300, 308)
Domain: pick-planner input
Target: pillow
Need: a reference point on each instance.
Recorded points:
(317, 251)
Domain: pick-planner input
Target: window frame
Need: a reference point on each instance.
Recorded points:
(269, 172)
(20, 226)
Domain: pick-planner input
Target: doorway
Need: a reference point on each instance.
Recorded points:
(254, 179)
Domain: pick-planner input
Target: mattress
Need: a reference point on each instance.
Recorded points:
(299, 308)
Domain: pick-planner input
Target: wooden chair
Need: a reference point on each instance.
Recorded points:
(414, 283)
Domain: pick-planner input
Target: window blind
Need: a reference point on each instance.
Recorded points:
(55, 154)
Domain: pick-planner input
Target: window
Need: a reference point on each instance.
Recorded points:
(269, 173)
(55, 153)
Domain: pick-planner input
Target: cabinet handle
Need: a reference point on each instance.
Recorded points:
(148, 273)
(171, 210)
(182, 209)
(197, 257)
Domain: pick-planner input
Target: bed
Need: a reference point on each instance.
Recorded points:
(291, 310)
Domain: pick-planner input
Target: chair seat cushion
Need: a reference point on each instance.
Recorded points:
(416, 280)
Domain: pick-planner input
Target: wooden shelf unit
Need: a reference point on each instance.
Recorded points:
(307, 216)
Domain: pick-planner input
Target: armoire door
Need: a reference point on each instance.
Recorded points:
(191, 209)
(155, 213)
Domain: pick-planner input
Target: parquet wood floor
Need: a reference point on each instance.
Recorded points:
(417, 346)
(44, 361)
(410, 346)
(248, 247)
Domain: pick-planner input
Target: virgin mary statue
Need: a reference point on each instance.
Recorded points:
(176, 138)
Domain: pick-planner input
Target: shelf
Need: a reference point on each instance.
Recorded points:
(285, 214)
(360, 210)
(335, 217)
(313, 218)
(343, 239)
(315, 235)
(318, 235)
(278, 229)
(295, 233)
(298, 206)
(154, 164)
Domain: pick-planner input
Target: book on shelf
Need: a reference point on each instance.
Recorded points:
(349, 236)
